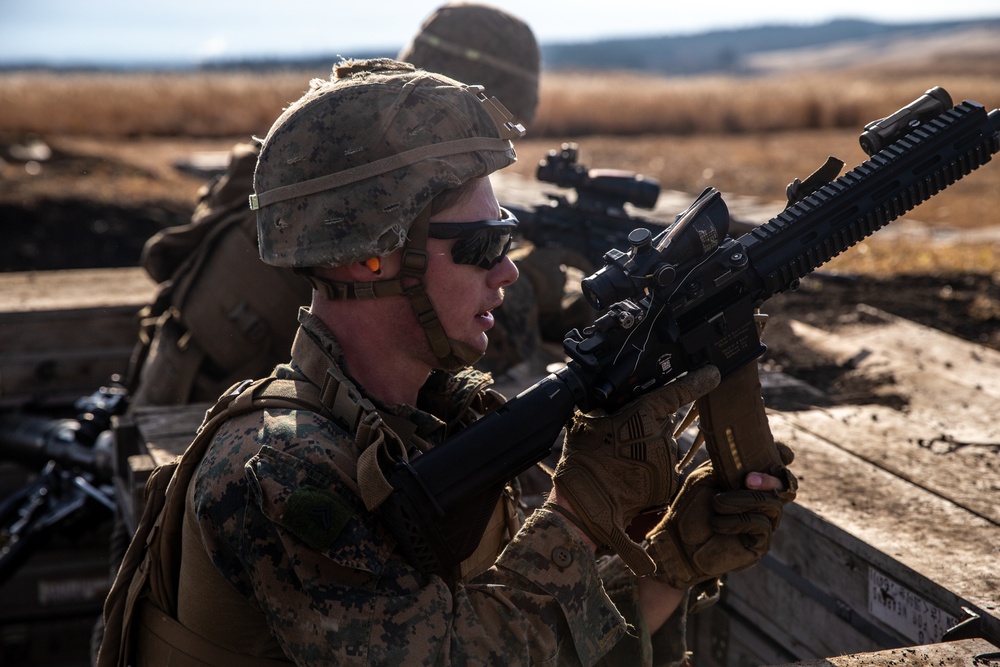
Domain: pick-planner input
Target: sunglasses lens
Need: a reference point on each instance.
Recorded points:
(483, 244)
(484, 248)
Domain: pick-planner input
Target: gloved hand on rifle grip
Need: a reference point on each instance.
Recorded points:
(615, 466)
(708, 531)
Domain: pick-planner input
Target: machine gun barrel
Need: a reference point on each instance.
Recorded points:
(34, 440)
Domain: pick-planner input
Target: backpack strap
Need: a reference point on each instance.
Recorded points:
(377, 442)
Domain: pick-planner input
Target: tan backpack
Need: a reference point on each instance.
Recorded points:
(220, 313)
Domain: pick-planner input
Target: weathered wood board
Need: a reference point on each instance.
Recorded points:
(895, 535)
(964, 653)
(65, 333)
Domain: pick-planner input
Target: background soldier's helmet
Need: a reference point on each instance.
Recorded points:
(344, 170)
(484, 45)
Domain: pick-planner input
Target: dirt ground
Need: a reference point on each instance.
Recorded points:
(72, 203)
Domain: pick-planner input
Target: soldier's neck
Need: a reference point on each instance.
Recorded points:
(381, 353)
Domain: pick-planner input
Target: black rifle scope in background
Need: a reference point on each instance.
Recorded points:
(561, 167)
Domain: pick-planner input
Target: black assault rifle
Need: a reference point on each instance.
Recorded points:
(677, 300)
(596, 218)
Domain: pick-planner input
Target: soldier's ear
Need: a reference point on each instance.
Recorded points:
(374, 265)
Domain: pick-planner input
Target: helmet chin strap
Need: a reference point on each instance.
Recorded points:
(451, 354)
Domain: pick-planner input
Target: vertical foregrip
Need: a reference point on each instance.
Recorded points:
(735, 426)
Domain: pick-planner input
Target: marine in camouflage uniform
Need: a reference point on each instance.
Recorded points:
(260, 506)
(480, 44)
(279, 504)
(284, 552)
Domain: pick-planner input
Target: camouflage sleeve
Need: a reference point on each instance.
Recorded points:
(294, 539)
(667, 647)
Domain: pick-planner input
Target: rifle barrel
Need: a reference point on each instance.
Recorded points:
(871, 195)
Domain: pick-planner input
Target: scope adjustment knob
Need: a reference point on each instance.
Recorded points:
(640, 238)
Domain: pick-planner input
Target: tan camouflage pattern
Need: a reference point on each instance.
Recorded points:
(276, 502)
(370, 110)
(479, 44)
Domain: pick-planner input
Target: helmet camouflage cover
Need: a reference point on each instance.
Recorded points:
(346, 169)
(483, 45)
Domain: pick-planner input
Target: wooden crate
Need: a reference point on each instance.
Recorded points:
(63, 334)
(895, 535)
(49, 607)
(143, 439)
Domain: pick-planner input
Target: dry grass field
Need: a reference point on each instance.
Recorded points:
(745, 135)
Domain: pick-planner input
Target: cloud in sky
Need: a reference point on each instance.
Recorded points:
(216, 46)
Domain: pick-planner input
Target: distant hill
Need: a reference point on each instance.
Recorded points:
(734, 51)
(739, 51)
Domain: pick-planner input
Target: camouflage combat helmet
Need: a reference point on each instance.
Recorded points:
(346, 169)
(348, 172)
(483, 45)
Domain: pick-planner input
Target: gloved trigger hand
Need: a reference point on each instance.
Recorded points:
(615, 466)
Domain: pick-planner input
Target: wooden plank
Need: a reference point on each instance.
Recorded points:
(719, 636)
(166, 431)
(812, 606)
(64, 333)
(945, 437)
(67, 333)
(55, 380)
(945, 376)
(904, 444)
(965, 653)
(914, 346)
(895, 536)
(937, 550)
(76, 289)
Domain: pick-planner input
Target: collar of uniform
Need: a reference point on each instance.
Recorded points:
(315, 350)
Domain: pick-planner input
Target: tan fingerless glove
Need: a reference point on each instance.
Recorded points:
(708, 531)
(613, 467)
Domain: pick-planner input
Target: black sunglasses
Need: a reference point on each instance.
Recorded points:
(483, 243)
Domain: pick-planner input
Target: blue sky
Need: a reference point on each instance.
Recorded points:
(61, 32)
